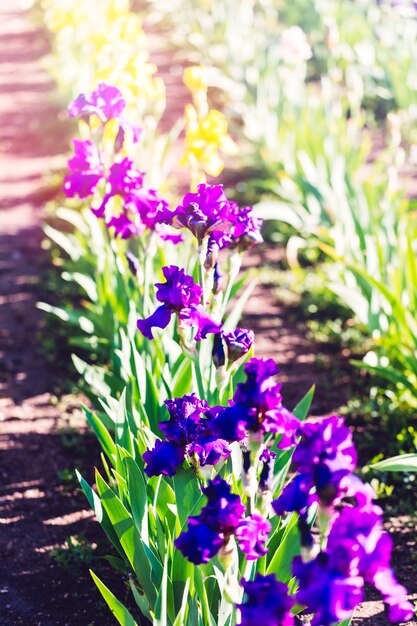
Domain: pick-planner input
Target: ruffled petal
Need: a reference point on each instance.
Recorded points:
(197, 316)
(163, 459)
(160, 319)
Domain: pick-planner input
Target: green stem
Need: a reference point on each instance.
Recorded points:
(235, 262)
(199, 376)
(201, 254)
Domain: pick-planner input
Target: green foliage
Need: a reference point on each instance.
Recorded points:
(78, 553)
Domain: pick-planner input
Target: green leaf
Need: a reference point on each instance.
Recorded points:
(129, 538)
(289, 547)
(180, 619)
(161, 601)
(101, 433)
(100, 513)
(187, 494)
(303, 407)
(138, 497)
(386, 372)
(401, 463)
(119, 611)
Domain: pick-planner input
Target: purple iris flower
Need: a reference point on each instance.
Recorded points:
(123, 179)
(327, 442)
(149, 206)
(252, 535)
(257, 406)
(86, 170)
(181, 295)
(199, 543)
(212, 528)
(324, 458)
(296, 496)
(179, 290)
(106, 102)
(203, 212)
(166, 235)
(328, 593)
(189, 434)
(267, 602)
(360, 530)
(163, 459)
(184, 417)
(197, 317)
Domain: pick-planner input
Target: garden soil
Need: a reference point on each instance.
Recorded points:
(39, 506)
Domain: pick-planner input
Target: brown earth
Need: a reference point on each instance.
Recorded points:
(37, 511)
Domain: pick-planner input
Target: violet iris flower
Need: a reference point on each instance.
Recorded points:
(180, 295)
(257, 406)
(219, 520)
(358, 551)
(124, 227)
(189, 434)
(252, 534)
(267, 602)
(324, 458)
(360, 531)
(107, 103)
(329, 593)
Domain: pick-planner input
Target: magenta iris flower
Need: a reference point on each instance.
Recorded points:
(267, 602)
(252, 535)
(189, 434)
(180, 295)
(244, 232)
(86, 170)
(124, 227)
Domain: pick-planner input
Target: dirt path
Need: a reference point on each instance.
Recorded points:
(36, 514)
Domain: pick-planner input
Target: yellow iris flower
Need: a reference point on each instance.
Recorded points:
(204, 137)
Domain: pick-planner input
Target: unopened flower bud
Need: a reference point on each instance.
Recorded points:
(218, 355)
(211, 255)
(238, 343)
